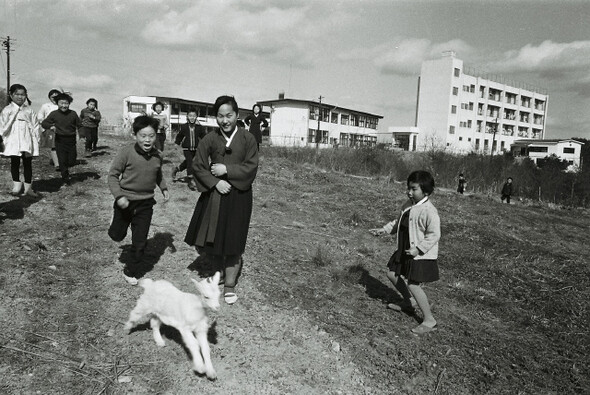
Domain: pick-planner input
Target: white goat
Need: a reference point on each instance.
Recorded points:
(162, 302)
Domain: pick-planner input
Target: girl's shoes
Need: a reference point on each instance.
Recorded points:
(17, 186)
(230, 298)
(29, 191)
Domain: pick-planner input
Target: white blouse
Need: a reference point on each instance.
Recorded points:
(19, 128)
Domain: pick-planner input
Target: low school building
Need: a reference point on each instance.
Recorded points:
(569, 150)
(306, 123)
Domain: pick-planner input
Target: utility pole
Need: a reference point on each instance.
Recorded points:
(317, 133)
(6, 45)
(494, 137)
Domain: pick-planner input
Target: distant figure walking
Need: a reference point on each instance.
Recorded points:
(19, 130)
(158, 107)
(49, 135)
(188, 137)
(462, 183)
(507, 190)
(90, 117)
(254, 122)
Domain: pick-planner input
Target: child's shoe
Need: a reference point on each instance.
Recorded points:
(29, 191)
(16, 188)
(129, 278)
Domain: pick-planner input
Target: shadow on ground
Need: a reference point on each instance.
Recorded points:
(156, 247)
(15, 209)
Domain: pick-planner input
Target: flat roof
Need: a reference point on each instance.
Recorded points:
(314, 103)
(545, 141)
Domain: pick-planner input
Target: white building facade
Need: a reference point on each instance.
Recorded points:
(176, 110)
(462, 110)
(301, 123)
(567, 149)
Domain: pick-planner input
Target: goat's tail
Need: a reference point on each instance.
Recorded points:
(145, 282)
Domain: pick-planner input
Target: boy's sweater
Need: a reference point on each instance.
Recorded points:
(135, 173)
(66, 123)
(87, 121)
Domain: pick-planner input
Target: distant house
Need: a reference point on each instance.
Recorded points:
(567, 149)
(300, 123)
(176, 109)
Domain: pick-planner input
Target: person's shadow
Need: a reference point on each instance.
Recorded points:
(156, 246)
(204, 266)
(15, 209)
(375, 289)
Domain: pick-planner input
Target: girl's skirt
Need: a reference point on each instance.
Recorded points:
(230, 230)
(416, 270)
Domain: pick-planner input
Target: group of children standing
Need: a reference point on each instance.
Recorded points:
(24, 132)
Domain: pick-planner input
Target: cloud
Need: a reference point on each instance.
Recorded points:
(405, 56)
(244, 29)
(547, 58)
(69, 81)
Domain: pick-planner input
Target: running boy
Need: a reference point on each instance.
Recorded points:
(64, 122)
(132, 179)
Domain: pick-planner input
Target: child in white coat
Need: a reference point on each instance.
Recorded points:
(19, 129)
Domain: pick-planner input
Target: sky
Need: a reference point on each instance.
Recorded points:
(358, 54)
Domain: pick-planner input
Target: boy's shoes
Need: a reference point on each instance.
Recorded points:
(130, 279)
(174, 172)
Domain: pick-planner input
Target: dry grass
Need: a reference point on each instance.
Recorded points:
(512, 302)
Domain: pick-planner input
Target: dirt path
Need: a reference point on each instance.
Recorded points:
(64, 302)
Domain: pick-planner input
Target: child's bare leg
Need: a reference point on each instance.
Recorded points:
(400, 286)
(422, 301)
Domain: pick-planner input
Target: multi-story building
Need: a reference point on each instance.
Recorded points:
(176, 110)
(464, 111)
(300, 123)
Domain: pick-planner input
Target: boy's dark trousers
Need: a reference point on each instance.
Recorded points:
(91, 139)
(65, 147)
(507, 198)
(139, 215)
(187, 163)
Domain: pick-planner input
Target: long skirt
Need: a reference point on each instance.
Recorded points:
(231, 227)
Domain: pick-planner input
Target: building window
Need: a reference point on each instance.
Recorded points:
(502, 145)
(569, 150)
(472, 88)
(460, 138)
(334, 117)
(538, 149)
(470, 106)
(453, 109)
(457, 72)
(469, 123)
(469, 139)
(137, 107)
(313, 112)
(455, 91)
(477, 144)
(344, 119)
(451, 130)
(361, 121)
(354, 120)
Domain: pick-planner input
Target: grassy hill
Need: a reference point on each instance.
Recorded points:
(512, 302)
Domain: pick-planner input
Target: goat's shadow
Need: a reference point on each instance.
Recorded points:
(156, 247)
(171, 333)
(375, 289)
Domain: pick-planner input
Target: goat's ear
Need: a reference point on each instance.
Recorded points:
(196, 282)
(216, 277)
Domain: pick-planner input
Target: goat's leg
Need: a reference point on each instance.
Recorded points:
(206, 352)
(193, 346)
(155, 324)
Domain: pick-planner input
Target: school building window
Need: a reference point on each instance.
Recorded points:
(354, 121)
(477, 144)
(569, 150)
(137, 107)
(314, 136)
(453, 109)
(344, 119)
(455, 91)
(334, 117)
(460, 138)
(502, 145)
(538, 149)
(457, 72)
(451, 130)
(313, 112)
